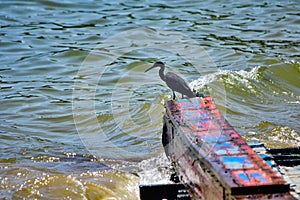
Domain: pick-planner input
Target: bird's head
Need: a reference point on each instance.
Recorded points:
(157, 64)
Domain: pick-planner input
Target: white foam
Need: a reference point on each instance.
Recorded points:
(155, 170)
(229, 77)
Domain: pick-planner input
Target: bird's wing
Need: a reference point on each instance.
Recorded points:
(177, 83)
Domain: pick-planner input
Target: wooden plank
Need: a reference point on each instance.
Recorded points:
(200, 139)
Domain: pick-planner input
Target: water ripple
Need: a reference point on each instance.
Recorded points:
(254, 44)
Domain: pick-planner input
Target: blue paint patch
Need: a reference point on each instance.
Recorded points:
(226, 148)
(236, 162)
(214, 137)
(251, 177)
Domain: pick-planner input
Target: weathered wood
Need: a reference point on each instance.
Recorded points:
(212, 159)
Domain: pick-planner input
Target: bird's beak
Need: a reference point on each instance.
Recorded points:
(150, 68)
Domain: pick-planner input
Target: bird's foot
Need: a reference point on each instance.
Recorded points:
(174, 96)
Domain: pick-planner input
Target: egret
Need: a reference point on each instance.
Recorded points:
(173, 81)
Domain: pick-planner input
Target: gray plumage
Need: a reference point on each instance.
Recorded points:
(173, 81)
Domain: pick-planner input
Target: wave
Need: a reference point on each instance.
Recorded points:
(263, 93)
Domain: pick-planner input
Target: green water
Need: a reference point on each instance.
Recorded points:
(73, 86)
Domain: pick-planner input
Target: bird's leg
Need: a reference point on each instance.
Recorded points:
(174, 95)
(182, 96)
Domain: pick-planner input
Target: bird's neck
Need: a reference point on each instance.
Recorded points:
(161, 74)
